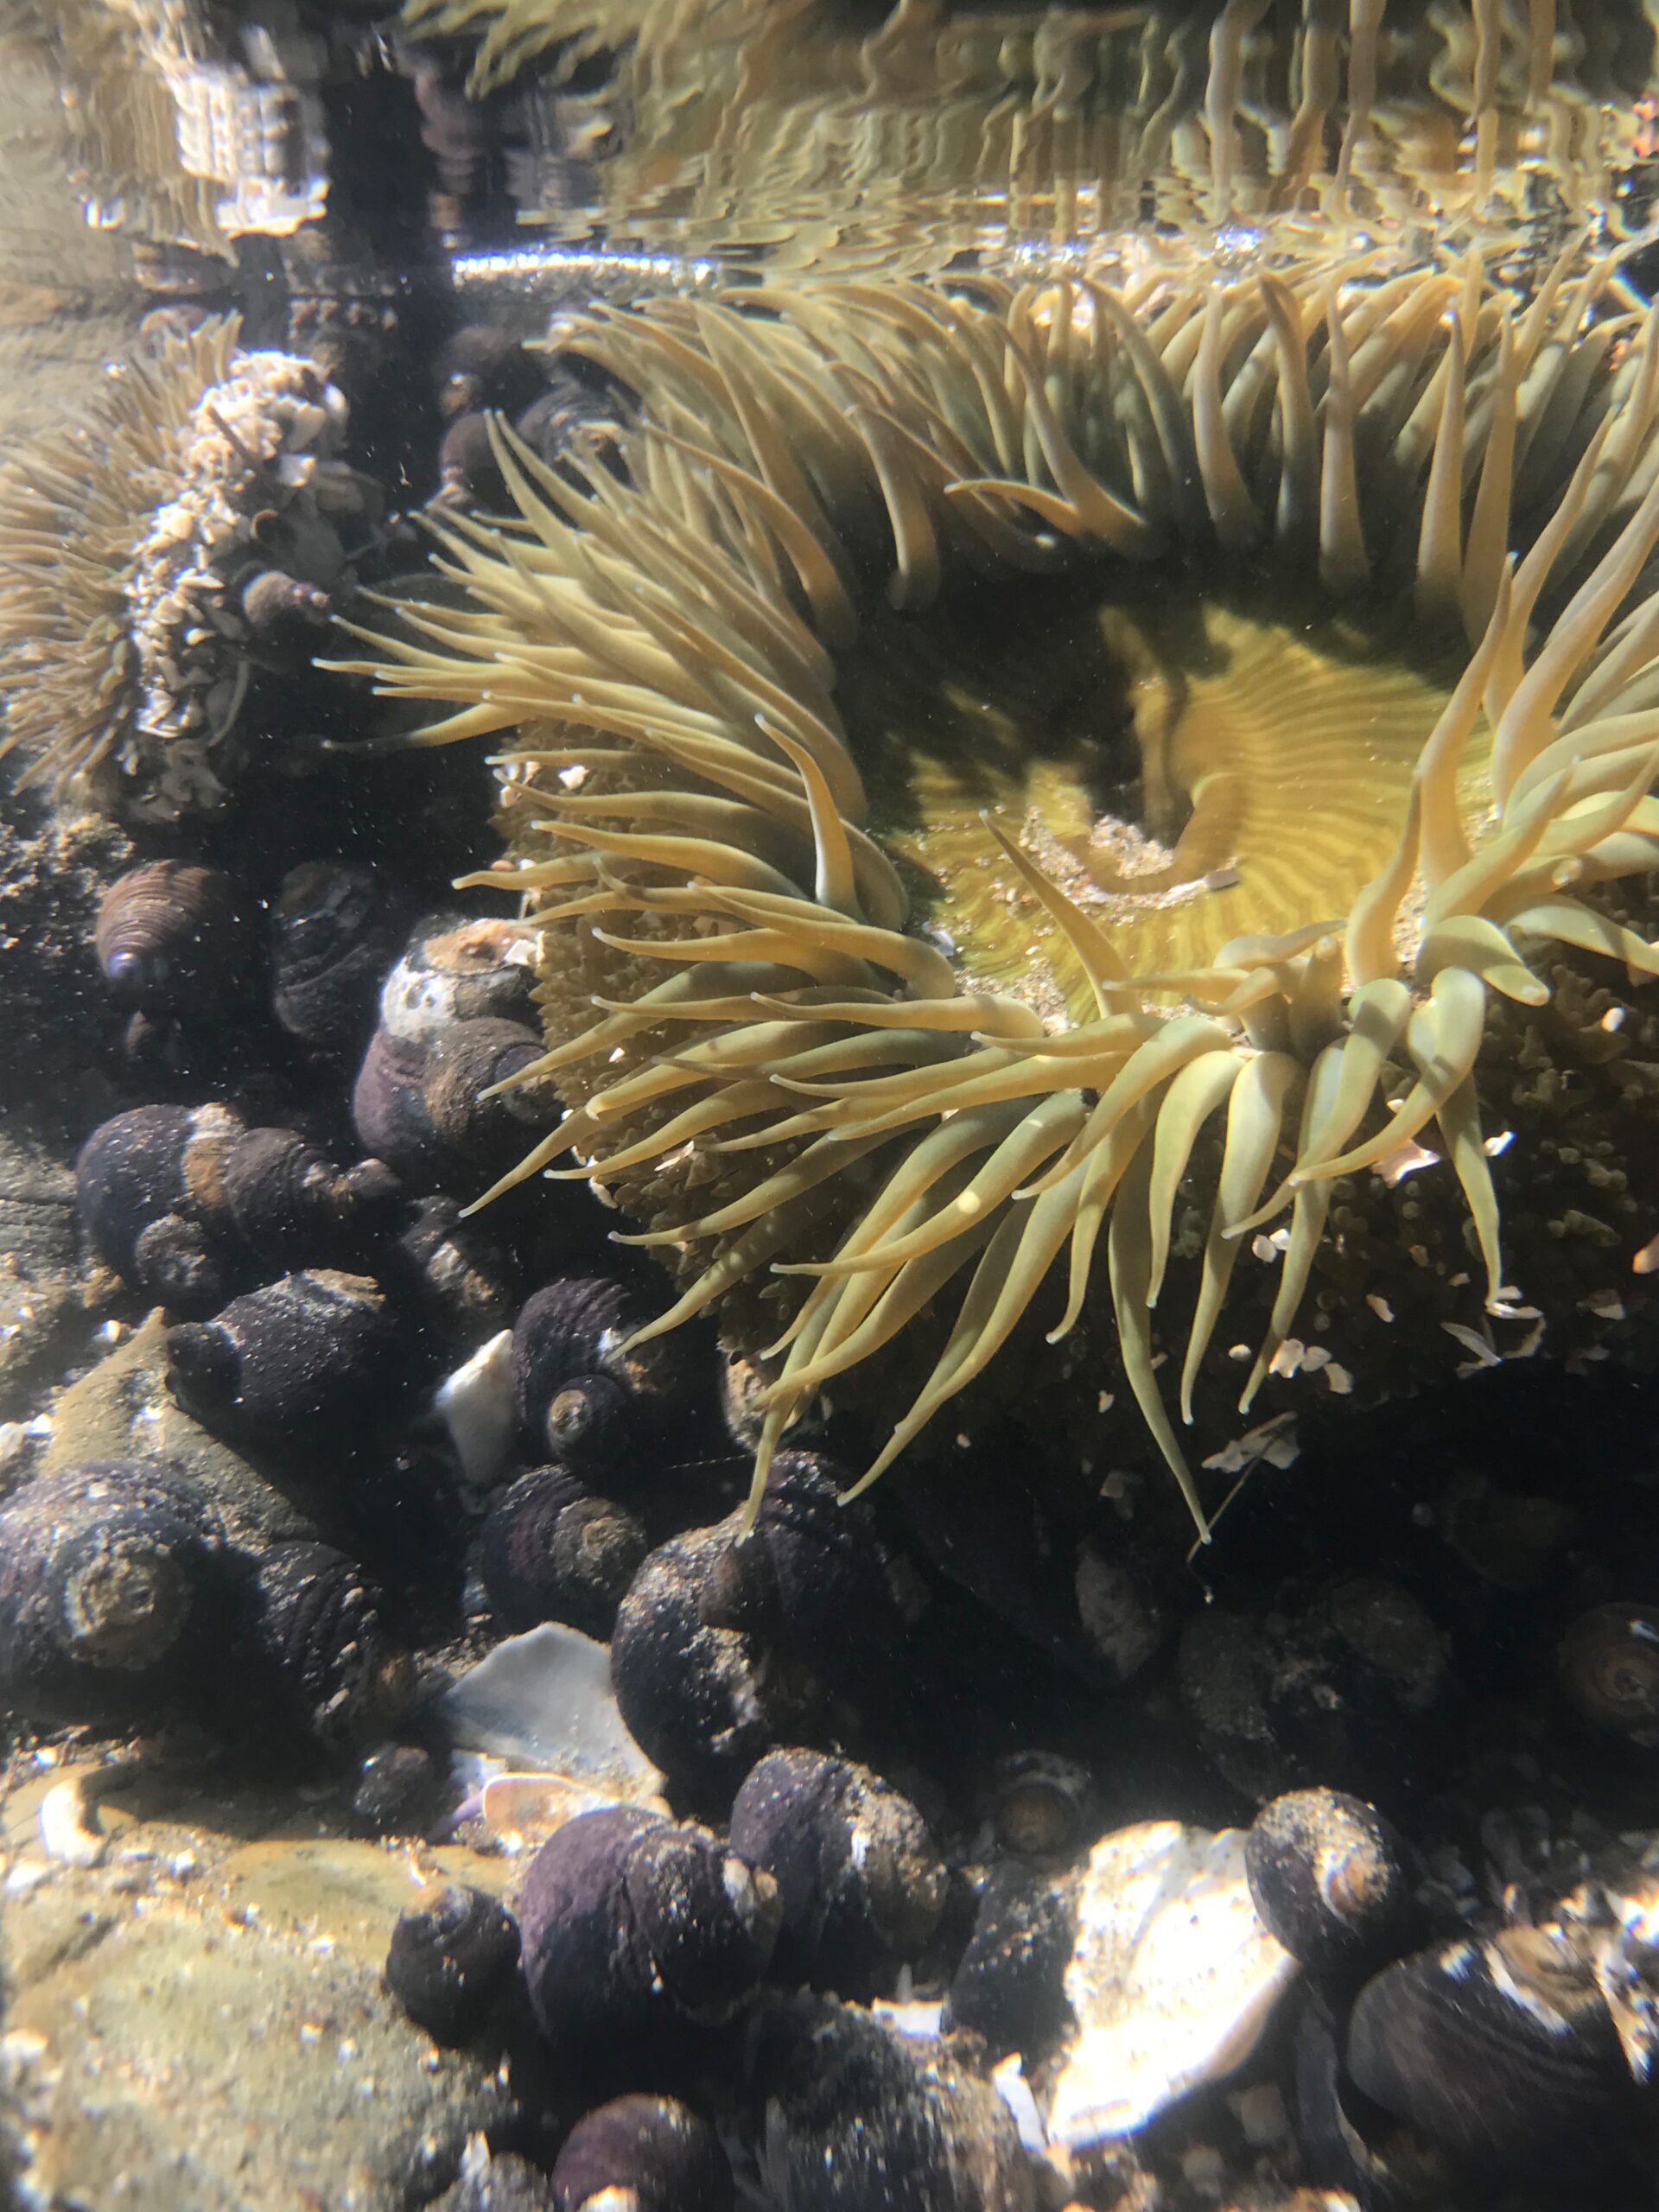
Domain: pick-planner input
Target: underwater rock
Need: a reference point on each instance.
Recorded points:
(397, 1793)
(1171, 1979)
(108, 1580)
(857, 2116)
(632, 1922)
(334, 930)
(696, 1697)
(171, 938)
(1009, 1985)
(544, 1700)
(642, 2154)
(860, 1884)
(1323, 1700)
(1328, 1877)
(1608, 1661)
(288, 1364)
(1504, 2051)
(450, 1963)
(316, 1638)
(550, 1550)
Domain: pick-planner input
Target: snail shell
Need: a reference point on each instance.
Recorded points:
(694, 1697)
(1327, 1875)
(1609, 1667)
(642, 2154)
(551, 1551)
(468, 469)
(418, 1103)
(810, 1579)
(286, 1363)
(630, 1922)
(170, 938)
(861, 1883)
(316, 1635)
(291, 1203)
(106, 1572)
(456, 970)
(449, 1965)
(336, 927)
(1504, 2052)
(1041, 1804)
(279, 609)
(1009, 1985)
(149, 1190)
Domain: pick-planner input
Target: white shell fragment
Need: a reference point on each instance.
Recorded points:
(543, 1702)
(1171, 1979)
(475, 1405)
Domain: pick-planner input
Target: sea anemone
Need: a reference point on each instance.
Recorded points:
(128, 541)
(1018, 785)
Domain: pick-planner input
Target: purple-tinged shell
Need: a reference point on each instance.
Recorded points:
(449, 1965)
(149, 1190)
(632, 1923)
(318, 1645)
(861, 1883)
(550, 1550)
(642, 2154)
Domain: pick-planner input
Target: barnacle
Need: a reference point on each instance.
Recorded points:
(126, 540)
(1006, 758)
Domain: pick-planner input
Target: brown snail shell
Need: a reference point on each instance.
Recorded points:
(1609, 1666)
(171, 937)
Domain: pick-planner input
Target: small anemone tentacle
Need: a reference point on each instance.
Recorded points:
(846, 1116)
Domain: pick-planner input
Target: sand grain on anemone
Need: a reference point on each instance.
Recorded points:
(940, 849)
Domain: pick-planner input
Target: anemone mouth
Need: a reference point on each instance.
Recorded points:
(741, 681)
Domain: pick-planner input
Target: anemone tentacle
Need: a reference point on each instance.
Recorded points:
(678, 652)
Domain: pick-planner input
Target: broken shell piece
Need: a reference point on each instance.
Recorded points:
(475, 1404)
(71, 1828)
(1171, 1979)
(544, 1702)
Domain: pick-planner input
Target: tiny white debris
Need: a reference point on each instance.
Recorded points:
(1287, 1360)
(1011, 2085)
(1410, 1156)
(475, 1405)
(1605, 1305)
(1646, 1261)
(1494, 1146)
(1274, 1441)
(109, 1332)
(1171, 1980)
(921, 2018)
(1314, 1357)
(1379, 1306)
(1104, 1403)
(1614, 1017)
(1338, 1380)
(1479, 1348)
(1262, 2114)
(68, 1824)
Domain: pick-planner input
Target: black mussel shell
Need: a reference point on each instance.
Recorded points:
(695, 1698)
(861, 1883)
(336, 927)
(1009, 1985)
(450, 1964)
(318, 1648)
(171, 937)
(1328, 1876)
(1609, 1666)
(858, 2116)
(631, 1923)
(287, 1363)
(643, 2153)
(1504, 2052)
(550, 1551)
(109, 1576)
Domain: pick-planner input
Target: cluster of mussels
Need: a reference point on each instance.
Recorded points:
(882, 1910)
